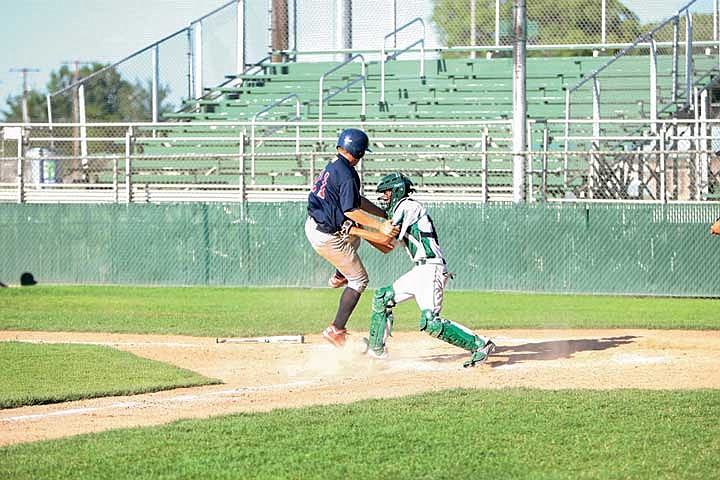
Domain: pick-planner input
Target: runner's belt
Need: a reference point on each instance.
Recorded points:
(430, 261)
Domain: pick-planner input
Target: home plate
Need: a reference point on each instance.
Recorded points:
(631, 359)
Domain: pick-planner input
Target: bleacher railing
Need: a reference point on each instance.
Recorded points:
(174, 69)
(449, 160)
(648, 40)
(385, 58)
(254, 140)
(182, 66)
(323, 98)
(664, 95)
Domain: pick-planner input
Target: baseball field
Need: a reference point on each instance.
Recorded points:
(130, 382)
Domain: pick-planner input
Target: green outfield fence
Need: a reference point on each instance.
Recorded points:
(603, 248)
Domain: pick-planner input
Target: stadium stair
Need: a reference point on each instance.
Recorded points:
(456, 89)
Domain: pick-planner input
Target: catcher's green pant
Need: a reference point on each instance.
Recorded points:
(425, 283)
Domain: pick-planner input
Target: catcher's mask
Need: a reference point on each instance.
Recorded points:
(400, 187)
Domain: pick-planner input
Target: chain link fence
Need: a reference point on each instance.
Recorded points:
(213, 184)
(265, 161)
(212, 50)
(562, 248)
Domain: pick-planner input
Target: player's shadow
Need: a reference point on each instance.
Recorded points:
(543, 350)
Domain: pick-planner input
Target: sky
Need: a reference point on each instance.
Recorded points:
(43, 34)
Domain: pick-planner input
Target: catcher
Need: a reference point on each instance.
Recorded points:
(425, 281)
(715, 228)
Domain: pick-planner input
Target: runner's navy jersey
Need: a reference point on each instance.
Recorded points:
(336, 191)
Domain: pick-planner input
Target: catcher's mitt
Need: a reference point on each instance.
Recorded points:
(715, 228)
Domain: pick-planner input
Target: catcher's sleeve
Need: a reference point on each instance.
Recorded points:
(715, 228)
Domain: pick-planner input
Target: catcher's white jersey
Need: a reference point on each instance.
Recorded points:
(426, 281)
(417, 232)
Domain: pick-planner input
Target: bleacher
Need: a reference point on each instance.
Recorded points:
(436, 156)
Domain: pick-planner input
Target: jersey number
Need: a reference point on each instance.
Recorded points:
(322, 179)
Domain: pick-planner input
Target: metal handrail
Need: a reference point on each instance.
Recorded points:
(142, 50)
(113, 65)
(214, 93)
(151, 47)
(646, 38)
(642, 38)
(258, 64)
(125, 187)
(322, 99)
(263, 112)
(384, 60)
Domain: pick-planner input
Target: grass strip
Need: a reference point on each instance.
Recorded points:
(513, 433)
(36, 374)
(207, 311)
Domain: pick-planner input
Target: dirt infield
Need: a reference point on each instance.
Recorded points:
(261, 377)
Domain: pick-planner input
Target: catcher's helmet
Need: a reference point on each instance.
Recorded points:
(354, 141)
(400, 187)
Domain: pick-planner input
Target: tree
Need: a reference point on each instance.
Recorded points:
(37, 109)
(576, 21)
(108, 97)
(702, 25)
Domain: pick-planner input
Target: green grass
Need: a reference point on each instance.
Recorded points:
(460, 434)
(35, 374)
(511, 433)
(208, 311)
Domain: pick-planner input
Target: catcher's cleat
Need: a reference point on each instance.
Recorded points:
(480, 355)
(383, 355)
(337, 281)
(334, 335)
(372, 353)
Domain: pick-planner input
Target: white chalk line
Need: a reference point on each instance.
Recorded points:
(515, 340)
(204, 397)
(621, 359)
(113, 344)
(499, 339)
(394, 366)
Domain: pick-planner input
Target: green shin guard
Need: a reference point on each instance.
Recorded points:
(381, 321)
(450, 332)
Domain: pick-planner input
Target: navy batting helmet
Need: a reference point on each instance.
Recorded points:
(355, 141)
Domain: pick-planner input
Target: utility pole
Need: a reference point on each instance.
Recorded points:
(279, 32)
(25, 91)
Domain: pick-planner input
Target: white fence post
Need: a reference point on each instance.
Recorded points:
(240, 37)
(83, 124)
(653, 86)
(20, 166)
(197, 60)
(241, 166)
(155, 82)
(128, 169)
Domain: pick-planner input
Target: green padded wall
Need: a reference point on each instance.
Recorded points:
(642, 249)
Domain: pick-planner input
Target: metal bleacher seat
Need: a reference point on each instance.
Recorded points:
(463, 89)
